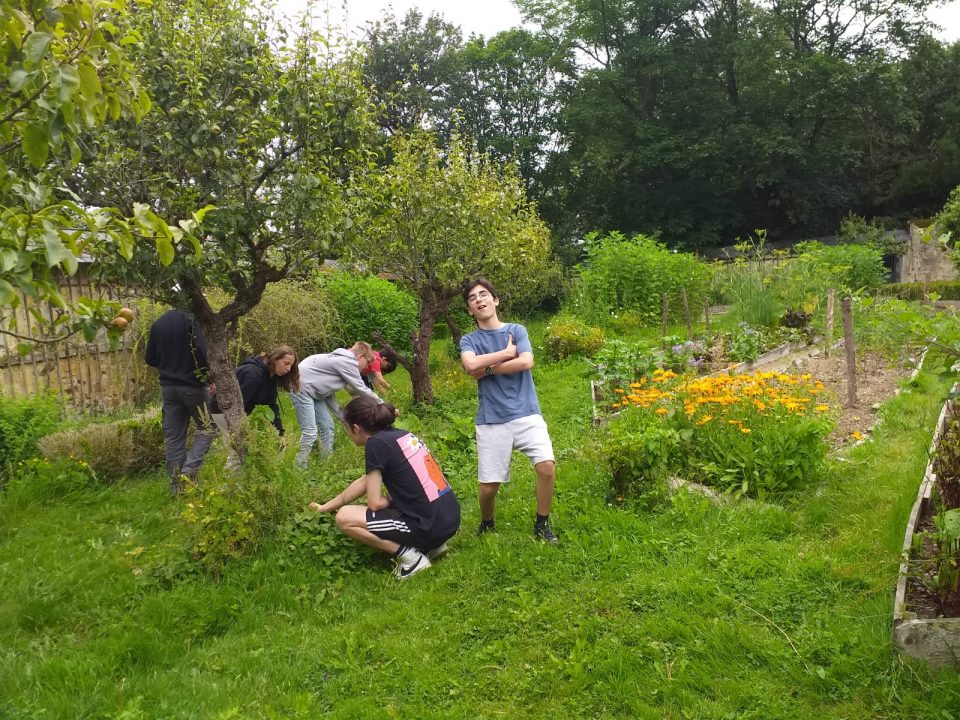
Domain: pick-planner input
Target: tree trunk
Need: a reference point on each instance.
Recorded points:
(455, 332)
(420, 373)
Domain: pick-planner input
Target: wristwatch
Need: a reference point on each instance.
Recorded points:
(488, 370)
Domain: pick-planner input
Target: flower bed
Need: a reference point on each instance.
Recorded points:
(926, 616)
(752, 434)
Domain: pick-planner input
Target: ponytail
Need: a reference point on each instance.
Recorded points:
(369, 414)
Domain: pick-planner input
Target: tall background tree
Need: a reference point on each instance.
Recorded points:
(253, 138)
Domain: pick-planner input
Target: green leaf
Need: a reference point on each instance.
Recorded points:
(7, 293)
(57, 252)
(35, 47)
(89, 81)
(36, 144)
(69, 82)
(18, 78)
(24, 348)
(164, 250)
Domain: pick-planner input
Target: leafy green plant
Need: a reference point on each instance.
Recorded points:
(569, 336)
(744, 343)
(631, 275)
(620, 362)
(367, 304)
(640, 452)
(226, 516)
(847, 268)
(23, 422)
(315, 538)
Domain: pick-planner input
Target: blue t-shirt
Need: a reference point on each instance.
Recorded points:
(502, 397)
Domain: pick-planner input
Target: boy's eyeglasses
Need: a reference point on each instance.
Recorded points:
(473, 299)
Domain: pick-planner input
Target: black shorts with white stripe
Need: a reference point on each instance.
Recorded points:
(390, 524)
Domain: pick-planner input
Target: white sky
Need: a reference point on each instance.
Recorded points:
(487, 17)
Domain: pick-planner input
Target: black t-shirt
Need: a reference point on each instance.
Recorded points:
(414, 481)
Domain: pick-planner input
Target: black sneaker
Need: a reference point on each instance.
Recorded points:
(542, 531)
(485, 527)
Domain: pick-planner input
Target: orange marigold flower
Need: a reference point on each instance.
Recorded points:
(619, 391)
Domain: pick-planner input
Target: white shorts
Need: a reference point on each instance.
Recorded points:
(496, 443)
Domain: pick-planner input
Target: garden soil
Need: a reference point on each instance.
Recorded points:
(878, 379)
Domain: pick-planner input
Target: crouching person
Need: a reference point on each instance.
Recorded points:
(420, 512)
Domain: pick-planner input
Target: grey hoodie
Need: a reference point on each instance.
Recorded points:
(328, 372)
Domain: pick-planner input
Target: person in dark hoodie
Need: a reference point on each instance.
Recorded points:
(177, 349)
(260, 377)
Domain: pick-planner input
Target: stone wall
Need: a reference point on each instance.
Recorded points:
(925, 261)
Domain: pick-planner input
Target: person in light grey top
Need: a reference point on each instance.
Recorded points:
(321, 376)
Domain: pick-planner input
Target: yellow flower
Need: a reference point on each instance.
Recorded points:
(822, 408)
(661, 411)
(705, 419)
(745, 430)
(619, 391)
(856, 435)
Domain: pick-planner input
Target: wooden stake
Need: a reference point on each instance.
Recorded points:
(831, 298)
(846, 311)
(666, 315)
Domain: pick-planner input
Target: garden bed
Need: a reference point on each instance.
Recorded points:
(920, 629)
(878, 379)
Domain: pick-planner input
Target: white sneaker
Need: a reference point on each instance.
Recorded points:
(410, 562)
(437, 552)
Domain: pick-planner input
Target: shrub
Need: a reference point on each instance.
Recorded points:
(848, 268)
(23, 422)
(289, 313)
(944, 289)
(640, 452)
(568, 336)
(113, 449)
(227, 516)
(632, 275)
(756, 435)
(367, 304)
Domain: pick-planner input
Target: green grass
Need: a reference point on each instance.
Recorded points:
(685, 610)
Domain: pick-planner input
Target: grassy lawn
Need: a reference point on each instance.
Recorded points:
(683, 610)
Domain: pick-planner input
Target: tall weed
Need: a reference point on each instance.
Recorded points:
(23, 422)
(631, 275)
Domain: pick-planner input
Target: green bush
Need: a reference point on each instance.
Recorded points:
(568, 336)
(367, 304)
(22, 423)
(622, 275)
(227, 516)
(112, 450)
(944, 289)
(289, 313)
(640, 452)
(848, 268)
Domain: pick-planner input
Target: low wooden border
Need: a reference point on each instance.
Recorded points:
(936, 641)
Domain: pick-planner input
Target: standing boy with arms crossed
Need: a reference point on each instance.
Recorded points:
(499, 356)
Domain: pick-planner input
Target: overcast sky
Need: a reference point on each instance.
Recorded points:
(487, 17)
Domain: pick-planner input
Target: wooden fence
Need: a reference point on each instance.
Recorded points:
(90, 376)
